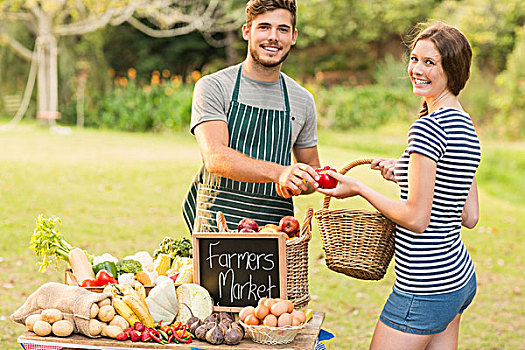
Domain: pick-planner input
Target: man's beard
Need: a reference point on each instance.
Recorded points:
(257, 59)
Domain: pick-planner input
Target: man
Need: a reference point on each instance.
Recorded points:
(247, 120)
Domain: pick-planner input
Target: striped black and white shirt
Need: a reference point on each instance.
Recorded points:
(436, 261)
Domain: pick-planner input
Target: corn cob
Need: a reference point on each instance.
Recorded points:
(125, 311)
(139, 309)
(162, 264)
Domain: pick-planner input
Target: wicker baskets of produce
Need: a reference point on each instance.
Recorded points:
(296, 260)
(272, 335)
(357, 243)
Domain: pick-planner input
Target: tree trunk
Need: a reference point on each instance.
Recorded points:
(46, 47)
(231, 55)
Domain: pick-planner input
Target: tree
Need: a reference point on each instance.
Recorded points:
(51, 19)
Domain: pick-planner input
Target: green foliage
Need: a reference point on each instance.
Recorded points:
(174, 247)
(490, 26)
(368, 106)
(510, 101)
(159, 108)
(48, 243)
(126, 47)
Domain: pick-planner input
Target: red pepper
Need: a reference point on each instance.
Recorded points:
(179, 339)
(171, 338)
(156, 336)
(177, 325)
(174, 276)
(325, 180)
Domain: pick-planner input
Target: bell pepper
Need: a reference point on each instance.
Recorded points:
(326, 181)
(109, 266)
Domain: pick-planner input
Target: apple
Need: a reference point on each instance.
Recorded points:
(246, 230)
(272, 228)
(289, 225)
(248, 223)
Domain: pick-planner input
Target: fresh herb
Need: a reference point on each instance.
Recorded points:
(48, 243)
(175, 247)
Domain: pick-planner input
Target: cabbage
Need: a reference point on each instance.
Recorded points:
(193, 297)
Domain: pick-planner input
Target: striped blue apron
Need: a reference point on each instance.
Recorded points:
(259, 133)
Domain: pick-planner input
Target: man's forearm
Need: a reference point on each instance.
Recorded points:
(227, 162)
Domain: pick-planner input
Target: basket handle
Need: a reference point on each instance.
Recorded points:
(326, 201)
(306, 227)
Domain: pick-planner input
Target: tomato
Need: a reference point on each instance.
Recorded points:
(104, 278)
(89, 283)
(325, 180)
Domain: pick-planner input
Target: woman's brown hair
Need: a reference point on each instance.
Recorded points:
(258, 7)
(456, 54)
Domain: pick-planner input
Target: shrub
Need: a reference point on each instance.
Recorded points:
(510, 101)
(368, 106)
(158, 107)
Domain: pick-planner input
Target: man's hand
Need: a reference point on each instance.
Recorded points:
(294, 180)
(386, 166)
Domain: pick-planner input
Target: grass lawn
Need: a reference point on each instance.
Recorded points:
(121, 193)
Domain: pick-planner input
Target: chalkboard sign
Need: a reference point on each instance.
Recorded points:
(238, 269)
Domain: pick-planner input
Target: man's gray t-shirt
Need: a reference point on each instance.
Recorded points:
(213, 93)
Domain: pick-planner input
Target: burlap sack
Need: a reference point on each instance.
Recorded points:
(74, 302)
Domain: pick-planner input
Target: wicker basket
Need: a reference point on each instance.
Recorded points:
(357, 243)
(272, 335)
(296, 260)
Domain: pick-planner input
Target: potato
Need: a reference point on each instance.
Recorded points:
(95, 327)
(106, 313)
(94, 311)
(111, 331)
(42, 328)
(62, 328)
(119, 321)
(30, 321)
(104, 302)
(51, 315)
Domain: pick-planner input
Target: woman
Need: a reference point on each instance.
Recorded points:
(435, 278)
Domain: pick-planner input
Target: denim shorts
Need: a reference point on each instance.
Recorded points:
(426, 314)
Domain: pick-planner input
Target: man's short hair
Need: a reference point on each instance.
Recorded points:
(258, 7)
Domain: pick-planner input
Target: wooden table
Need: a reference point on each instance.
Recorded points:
(305, 340)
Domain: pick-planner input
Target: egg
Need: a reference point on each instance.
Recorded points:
(279, 308)
(269, 302)
(289, 305)
(248, 310)
(284, 320)
(251, 320)
(296, 321)
(299, 315)
(270, 320)
(261, 311)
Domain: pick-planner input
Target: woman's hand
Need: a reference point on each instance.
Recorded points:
(386, 166)
(346, 186)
